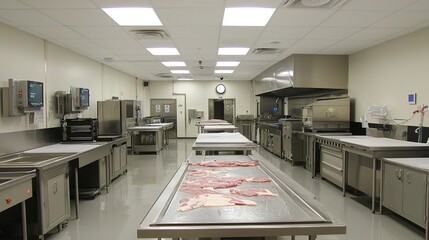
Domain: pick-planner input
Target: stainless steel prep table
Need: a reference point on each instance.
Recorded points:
(223, 142)
(293, 212)
(15, 188)
(204, 123)
(375, 149)
(165, 128)
(146, 138)
(219, 128)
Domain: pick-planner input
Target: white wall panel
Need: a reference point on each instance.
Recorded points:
(21, 57)
(386, 73)
(118, 84)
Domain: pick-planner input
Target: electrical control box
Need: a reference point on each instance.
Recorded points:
(412, 98)
(22, 96)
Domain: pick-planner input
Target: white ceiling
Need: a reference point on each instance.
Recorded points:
(194, 28)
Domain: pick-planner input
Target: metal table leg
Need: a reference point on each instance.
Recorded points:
(24, 221)
(312, 237)
(344, 163)
(76, 182)
(374, 179)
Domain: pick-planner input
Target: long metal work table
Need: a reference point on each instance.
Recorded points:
(146, 138)
(375, 149)
(165, 128)
(52, 165)
(293, 212)
(206, 142)
(213, 122)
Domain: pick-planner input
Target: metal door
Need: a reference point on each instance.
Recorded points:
(222, 109)
(392, 187)
(414, 196)
(167, 110)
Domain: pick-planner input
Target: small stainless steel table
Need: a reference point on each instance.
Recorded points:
(214, 122)
(293, 212)
(219, 128)
(375, 149)
(146, 138)
(165, 128)
(230, 142)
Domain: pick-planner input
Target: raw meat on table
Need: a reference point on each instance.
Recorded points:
(212, 200)
(223, 182)
(196, 190)
(252, 192)
(227, 163)
(203, 172)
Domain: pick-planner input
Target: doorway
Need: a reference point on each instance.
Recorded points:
(222, 109)
(166, 109)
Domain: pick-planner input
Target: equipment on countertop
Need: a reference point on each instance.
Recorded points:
(246, 126)
(82, 129)
(327, 115)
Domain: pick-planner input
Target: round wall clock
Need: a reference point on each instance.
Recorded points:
(220, 88)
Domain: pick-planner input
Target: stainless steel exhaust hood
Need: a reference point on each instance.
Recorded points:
(302, 74)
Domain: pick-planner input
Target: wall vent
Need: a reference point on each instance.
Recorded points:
(150, 34)
(267, 51)
(314, 3)
(163, 75)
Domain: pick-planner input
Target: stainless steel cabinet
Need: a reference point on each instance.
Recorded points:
(404, 192)
(119, 160)
(56, 202)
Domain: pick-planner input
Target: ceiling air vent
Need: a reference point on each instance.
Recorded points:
(164, 75)
(150, 34)
(314, 3)
(267, 51)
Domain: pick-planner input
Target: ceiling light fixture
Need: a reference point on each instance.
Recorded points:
(224, 71)
(227, 64)
(185, 79)
(233, 51)
(163, 51)
(179, 71)
(247, 16)
(133, 16)
(174, 64)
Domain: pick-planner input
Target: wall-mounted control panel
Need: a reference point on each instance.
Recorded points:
(22, 96)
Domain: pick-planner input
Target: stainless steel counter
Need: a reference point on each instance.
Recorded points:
(209, 142)
(146, 138)
(219, 128)
(293, 212)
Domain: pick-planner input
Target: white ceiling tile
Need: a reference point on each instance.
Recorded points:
(273, 33)
(350, 44)
(197, 32)
(331, 33)
(373, 33)
(230, 33)
(79, 44)
(187, 4)
(132, 52)
(97, 32)
(27, 18)
(377, 5)
(403, 19)
(192, 43)
(56, 4)
(190, 16)
(299, 17)
(117, 43)
(81, 17)
(278, 43)
(313, 44)
(260, 57)
(354, 18)
(252, 3)
(122, 3)
(420, 5)
(13, 4)
(54, 32)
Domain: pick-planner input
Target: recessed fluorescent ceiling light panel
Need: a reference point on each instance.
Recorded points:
(133, 16)
(174, 64)
(185, 79)
(163, 51)
(180, 71)
(224, 71)
(227, 64)
(233, 51)
(247, 16)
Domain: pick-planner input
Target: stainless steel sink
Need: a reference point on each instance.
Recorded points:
(33, 158)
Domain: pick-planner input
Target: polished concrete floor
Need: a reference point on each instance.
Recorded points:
(116, 215)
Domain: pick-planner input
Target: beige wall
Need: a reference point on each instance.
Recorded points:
(24, 56)
(386, 73)
(195, 95)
